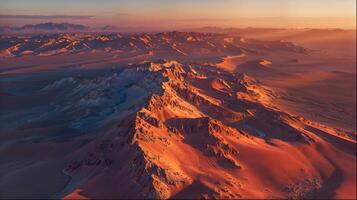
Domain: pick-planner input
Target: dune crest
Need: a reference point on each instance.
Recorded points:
(175, 115)
(147, 152)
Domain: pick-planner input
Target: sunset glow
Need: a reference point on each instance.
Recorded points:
(184, 13)
(178, 99)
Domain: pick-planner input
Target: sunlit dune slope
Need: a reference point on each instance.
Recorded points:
(206, 133)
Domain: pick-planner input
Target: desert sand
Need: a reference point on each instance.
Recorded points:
(178, 115)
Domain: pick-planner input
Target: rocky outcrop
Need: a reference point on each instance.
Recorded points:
(182, 118)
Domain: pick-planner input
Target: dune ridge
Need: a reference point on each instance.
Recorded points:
(176, 115)
(148, 151)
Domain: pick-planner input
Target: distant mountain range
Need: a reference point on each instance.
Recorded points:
(261, 33)
(50, 26)
(54, 27)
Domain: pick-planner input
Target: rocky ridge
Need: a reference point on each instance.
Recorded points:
(189, 132)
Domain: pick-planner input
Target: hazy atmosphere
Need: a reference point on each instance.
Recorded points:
(184, 13)
(178, 99)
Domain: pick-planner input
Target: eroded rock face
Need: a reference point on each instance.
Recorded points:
(189, 131)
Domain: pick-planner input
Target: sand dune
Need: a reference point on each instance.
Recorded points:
(165, 130)
(217, 116)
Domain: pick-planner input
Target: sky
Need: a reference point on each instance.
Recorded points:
(183, 13)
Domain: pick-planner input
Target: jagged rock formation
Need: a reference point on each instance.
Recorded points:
(203, 133)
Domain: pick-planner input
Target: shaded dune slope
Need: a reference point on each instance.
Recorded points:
(207, 133)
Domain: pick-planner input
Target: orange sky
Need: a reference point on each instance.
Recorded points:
(184, 13)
